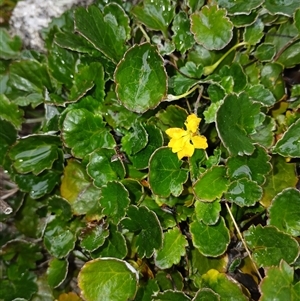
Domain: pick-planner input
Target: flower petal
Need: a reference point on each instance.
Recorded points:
(175, 133)
(178, 144)
(192, 123)
(187, 151)
(199, 142)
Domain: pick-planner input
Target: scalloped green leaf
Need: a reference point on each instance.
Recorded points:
(8, 135)
(254, 167)
(269, 245)
(60, 207)
(238, 7)
(135, 190)
(93, 237)
(282, 176)
(182, 37)
(84, 80)
(77, 189)
(211, 184)
(138, 72)
(114, 201)
(58, 239)
(262, 95)
(289, 144)
(145, 224)
(116, 280)
(195, 163)
(279, 284)
(136, 140)
(108, 31)
(284, 211)
(211, 27)
(264, 135)
(254, 33)
(244, 20)
(265, 52)
(165, 173)
(210, 240)
(208, 213)
(206, 294)
(155, 140)
(10, 46)
(35, 153)
(237, 118)
(155, 14)
(84, 132)
(222, 285)
(279, 7)
(101, 168)
(272, 79)
(146, 290)
(28, 80)
(168, 295)
(173, 248)
(114, 245)
(57, 272)
(244, 192)
(10, 112)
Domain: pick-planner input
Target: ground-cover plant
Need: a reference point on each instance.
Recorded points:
(152, 153)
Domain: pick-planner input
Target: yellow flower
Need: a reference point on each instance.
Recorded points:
(184, 142)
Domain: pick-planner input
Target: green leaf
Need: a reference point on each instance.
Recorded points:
(173, 248)
(211, 184)
(146, 291)
(182, 36)
(29, 77)
(206, 294)
(135, 140)
(101, 169)
(265, 52)
(10, 112)
(10, 46)
(84, 132)
(115, 280)
(236, 119)
(254, 33)
(58, 239)
(145, 224)
(275, 7)
(262, 95)
(270, 245)
(140, 70)
(93, 237)
(281, 176)
(107, 31)
(165, 173)
(155, 140)
(210, 240)
(220, 284)
(195, 163)
(168, 295)
(8, 135)
(78, 190)
(57, 272)
(278, 284)
(208, 213)
(264, 135)
(84, 80)
(244, 192)
(289, 144)
(60, 207)
(211, 27)
(114, 245)
(135, 190)
(172, 116)
(284, 211)
(195, 5)
(296, 16)
(271, 78)
(254, 167)
(114, 201)
(35, 153)
(238, 7)
(244, 20)
(155, 14)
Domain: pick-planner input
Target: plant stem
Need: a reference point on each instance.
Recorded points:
(210, 69)
(242, 239)
(171, 97)
(144, 33)
(286, 46)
